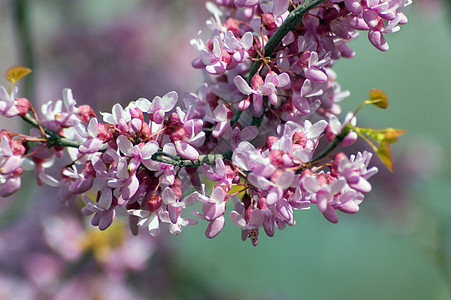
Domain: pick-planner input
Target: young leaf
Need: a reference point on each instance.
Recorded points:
(16, 73)
(385, 154)
(378, 98)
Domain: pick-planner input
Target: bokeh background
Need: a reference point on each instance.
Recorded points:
(397, 247)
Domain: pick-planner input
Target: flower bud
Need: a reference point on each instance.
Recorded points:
(154, 202)
(257, 81)
(86, 112)
(23, 106)
(268, 21)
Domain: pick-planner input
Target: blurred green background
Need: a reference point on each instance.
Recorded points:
(397, 247)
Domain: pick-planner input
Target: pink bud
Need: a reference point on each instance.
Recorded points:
(225, 56)
(104, 132)
(257, 81)
(303, 60)
(232, 25)
(300, 138)
(178, 134)
(261, 204)
(270, 140)
(22, 105)
(337, 158)
(268, 21)
(244, 104)
(86, 112)
(17, 147)
(154, 202)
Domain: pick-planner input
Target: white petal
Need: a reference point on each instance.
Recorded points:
(242, 85)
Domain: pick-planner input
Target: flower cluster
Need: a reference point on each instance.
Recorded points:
(248, 131)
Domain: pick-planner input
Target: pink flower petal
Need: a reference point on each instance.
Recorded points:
(215, 227)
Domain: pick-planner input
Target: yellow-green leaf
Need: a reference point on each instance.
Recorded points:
(393, 133)
(16, 73)
(385, 154)
(378, 98)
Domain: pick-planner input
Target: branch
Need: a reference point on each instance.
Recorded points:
(336, 141)
(53, 139)
(209, 159)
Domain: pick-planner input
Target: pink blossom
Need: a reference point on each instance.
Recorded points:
(158, 107)
(92, 143)
(213, 210)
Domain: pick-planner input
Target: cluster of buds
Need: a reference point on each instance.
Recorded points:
(248, 135)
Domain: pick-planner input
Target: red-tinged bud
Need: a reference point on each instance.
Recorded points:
(146, 132)
(303, 60)
(5, 133)
(230, 173)
(17, 147)
(154, 202)
(261, 203)
(232, 25)
(177, 188)
(23, 106)
(268, 21)
(247, 213)
(225, 56)
(337, 158)
(174, 120)
(257, 81)
(210, 44)
(178, 134)
(104, 132)
(300, 138)
(86, 112)
(271, 140)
